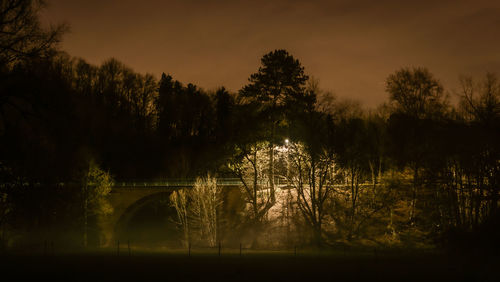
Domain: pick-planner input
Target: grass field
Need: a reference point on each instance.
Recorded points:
(207, 265)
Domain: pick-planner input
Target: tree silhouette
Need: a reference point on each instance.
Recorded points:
(279, 81)
(419, 103)
(22, 37)
(416, 93)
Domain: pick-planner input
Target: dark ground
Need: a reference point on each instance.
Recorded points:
(249, 267)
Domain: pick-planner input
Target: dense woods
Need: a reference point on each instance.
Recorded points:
(421, 170)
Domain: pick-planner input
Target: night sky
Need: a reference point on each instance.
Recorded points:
(350, 46)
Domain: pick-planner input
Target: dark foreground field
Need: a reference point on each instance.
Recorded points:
(265, 266)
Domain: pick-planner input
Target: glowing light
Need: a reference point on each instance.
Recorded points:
(287, 141)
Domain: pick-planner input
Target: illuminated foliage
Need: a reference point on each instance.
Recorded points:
(96, 185)
(206, 199)
(313, 178)
(179, 200)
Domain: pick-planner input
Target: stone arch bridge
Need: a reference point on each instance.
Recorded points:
(127, 198)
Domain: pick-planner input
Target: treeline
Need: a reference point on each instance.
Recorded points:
(61, 116)
(416, 171)
(135, 126)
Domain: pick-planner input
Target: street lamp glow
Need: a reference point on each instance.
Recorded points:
(287, 141)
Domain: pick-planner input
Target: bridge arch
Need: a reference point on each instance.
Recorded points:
(150, 221)
(127, 199)
(126, 203)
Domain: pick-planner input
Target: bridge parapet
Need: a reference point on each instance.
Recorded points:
(173, 183)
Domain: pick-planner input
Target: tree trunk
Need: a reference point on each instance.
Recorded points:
(85, 208)
(353, 199)
(317, 234)
(85, 219)
(271, 170)
(271, 161)
(414, 196)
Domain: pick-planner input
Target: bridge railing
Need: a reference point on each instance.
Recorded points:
(191, 182)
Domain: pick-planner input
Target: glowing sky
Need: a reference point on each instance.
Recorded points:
(350, 46)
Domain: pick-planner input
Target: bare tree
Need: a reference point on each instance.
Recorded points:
(251, 166)
(476, 171)
(416, 93)
(313, 179)
(206, 198)
(21, 34)
(417, 97)
(480, 100)
(143, 101)
(179, 200)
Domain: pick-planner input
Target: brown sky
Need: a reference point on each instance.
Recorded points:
(350, 46)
